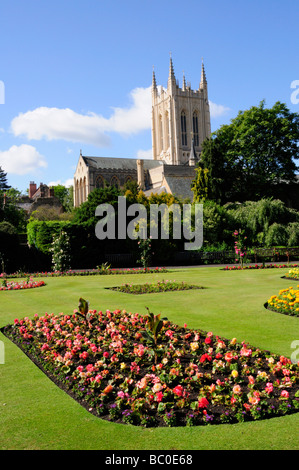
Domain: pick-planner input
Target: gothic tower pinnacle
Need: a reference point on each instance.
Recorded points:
(171, 77)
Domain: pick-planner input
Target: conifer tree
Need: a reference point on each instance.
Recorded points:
(3, 180)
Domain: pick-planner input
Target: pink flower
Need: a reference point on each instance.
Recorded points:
(237, 390)
(245, 352)
(284, 394)
(169, 333)
(84, 355)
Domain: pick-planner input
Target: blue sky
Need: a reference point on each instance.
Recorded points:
(77, 75)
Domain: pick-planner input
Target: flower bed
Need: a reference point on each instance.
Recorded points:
(258, 266)
(29, 284)
(147, 371)
(160, 286)
(292, 274)
(89, 272)
(287, 302)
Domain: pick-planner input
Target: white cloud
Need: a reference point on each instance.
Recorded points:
(91, 128)
(66, 124)
(22, 159)
(217, 110)
(60, 124)
(69, 182)
(134, 119)
(146, 154)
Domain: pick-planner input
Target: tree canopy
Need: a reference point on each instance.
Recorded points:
(251, 158)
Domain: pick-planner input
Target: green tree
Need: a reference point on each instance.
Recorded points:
(9, 210)
(65, 196)
(253, 156)
(3, 180)
(86, 212)
(200, 185)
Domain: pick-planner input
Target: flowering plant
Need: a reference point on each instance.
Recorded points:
(145, 248)
(160, 286)
(61, 252)
(101, 270)
(257, 266)
(28, 284)
(287, 301)
(200, 378)
(240, 248)
(293, 274)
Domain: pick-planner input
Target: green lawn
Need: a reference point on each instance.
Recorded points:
(36, 414)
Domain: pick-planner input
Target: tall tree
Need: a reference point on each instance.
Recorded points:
(254, 155)
(3, 180)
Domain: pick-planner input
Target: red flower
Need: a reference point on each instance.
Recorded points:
(178, 390)
(205, 357)
(202, 402)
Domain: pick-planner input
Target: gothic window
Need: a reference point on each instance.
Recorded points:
(183, 128)
(114, 181)
(100, 182)
(167, 129)
(195, 129)
(161, 133)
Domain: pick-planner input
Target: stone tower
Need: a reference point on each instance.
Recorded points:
(180, 119)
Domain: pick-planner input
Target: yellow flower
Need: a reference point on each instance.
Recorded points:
(235, 374)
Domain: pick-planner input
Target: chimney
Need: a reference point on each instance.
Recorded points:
(32, 188)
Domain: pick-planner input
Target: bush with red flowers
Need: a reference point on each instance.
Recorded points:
(107, 362)
(21, 285)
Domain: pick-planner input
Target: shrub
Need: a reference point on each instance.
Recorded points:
(60, 250)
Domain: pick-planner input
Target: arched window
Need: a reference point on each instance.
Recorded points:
(183, 128)
(195, 129)
(161, 133)
(167, 129)
(114, 181)
(100, 182)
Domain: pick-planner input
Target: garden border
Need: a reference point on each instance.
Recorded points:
(180, 413)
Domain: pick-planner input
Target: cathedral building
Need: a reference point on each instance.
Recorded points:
(180, 124)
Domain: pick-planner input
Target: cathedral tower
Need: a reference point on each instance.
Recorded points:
(180, 119)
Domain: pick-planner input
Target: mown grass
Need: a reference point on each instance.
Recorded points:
(36, 414)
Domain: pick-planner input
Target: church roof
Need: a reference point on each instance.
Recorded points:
(119, 163)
